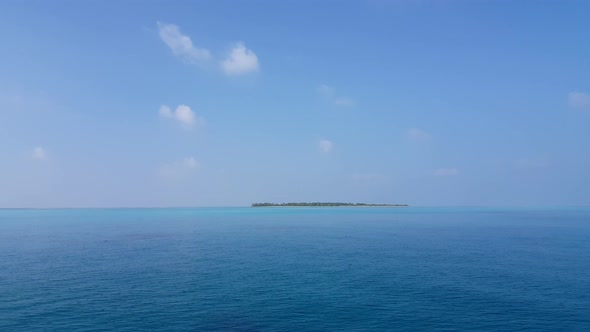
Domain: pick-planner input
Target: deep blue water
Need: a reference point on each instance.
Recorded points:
(295, 269)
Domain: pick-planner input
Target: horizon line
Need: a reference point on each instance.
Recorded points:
(249, 206)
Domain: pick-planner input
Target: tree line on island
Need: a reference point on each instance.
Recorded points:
(322, 204)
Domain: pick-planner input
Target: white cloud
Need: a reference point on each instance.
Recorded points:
(326, 90)
(179, 168)
(329, 93)
(183, 114)
(39, 153)
(579, 100)
(240, 61)
(343, 101)
(190, 162)
(166, 112)
(326, 145)
(416, 134)
(446, 172)
(181, 45)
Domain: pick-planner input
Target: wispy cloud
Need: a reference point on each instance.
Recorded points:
(531, 163)
(369, 178)
(418, 135)
(325, 145)
(578, 100)
(446, 172)
(240, 60)
(344, 102)
(179, 168)
(182, 45)
(190, 162)
(329, 93)
(183, 114)
(39, 153)
(326, 90)
(11, 99)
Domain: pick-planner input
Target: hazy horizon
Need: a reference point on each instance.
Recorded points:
(224, 104)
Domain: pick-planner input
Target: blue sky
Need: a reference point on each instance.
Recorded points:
(225, 103)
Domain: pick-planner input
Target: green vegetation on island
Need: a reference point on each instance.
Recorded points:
(322, 204)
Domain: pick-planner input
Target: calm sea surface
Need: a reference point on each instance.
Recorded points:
(295, 269)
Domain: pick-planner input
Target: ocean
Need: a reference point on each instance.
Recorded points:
(295, 269)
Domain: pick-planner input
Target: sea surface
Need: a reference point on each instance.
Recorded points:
(295, 269)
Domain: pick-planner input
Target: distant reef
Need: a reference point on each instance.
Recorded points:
(321, 204)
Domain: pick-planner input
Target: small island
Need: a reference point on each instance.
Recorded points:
(325, 204)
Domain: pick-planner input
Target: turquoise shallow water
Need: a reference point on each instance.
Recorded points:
(295, 269)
